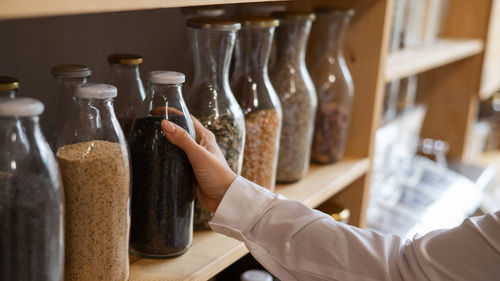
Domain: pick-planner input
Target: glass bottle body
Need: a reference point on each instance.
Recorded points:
(94, 163)
(32, 246)
(126, 78)
(260, 104)
(211, 101)
(163, 179)
(61, 106)
(333, 83)
(297, 95)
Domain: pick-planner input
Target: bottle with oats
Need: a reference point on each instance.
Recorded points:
(333, 83)
(258, 100)
(124, 74)
(162, 179)
(31, 202)
(297, 95)
(211, 99)
(94, 163)
(67, 77)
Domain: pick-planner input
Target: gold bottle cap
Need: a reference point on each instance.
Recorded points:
(255, 21)
(125, 59)
(294, 15)
(71, 71)
(333, 11)
(213, 24)
(8, 83)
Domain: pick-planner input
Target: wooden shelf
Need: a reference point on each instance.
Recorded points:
(212, 252)
(12, 9)
(411, 61)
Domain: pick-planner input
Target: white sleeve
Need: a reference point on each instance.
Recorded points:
(294, 242)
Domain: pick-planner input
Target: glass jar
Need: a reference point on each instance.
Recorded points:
(258, 100)
(8, 87)
(68, 77)
(31, 202)
(125, 76)
(210, 98)
(297, 95)
(163, 179)
(94, 163)
(333, 83)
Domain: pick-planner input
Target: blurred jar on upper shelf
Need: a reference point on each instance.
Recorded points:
(8, 87)
(124, 74)
(68, 77)
(258, 100)
(333, 83)
(296, 92)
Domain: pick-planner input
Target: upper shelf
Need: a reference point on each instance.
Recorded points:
(411, 61)
(12, 9)
(212, 252)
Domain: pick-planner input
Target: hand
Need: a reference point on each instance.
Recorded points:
(210, 168)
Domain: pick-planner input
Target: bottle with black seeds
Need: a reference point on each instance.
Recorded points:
(162, 177)
(210, 98)
(31, 202)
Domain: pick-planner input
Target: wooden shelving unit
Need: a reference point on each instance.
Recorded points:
(449, 85)
(212, 252)
(413, 61)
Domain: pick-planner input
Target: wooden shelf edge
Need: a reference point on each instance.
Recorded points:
(489, 88)
(16, 9)
(412, 61)
(212, 252)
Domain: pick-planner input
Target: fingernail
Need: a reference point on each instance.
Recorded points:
(167, 126)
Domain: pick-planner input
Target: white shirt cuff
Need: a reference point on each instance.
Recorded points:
(240, 208)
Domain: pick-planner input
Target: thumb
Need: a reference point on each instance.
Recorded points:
(179, 137)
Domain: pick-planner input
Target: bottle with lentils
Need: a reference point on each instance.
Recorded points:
(94, 163)
(163, 179)
(124, 74)
(210, 98)
(8, 87)
(258, 100)
(333, 83)
(68, 77)
(31, 202)
(297, 94)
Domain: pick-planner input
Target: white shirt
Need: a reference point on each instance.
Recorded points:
(295, 242)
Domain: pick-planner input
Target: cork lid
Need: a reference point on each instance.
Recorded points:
(254, 21)
(71, 71)
(204, 11)
(166, 77)
(213, 24)
(96, 91)
(125, 59)
(8, 83)
(294, 15)
(21, 107)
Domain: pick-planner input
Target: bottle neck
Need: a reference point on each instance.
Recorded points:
(291, 41)
(8, 94)
(334, 26)
(129, 71)
(252, 51)
(68, 85)
(18, 136)
(212, 52)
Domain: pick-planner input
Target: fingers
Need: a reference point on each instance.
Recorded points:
(179, 137)
(201, 131)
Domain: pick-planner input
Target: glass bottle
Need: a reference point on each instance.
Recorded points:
(333, 83)
(8, 87)
(163, 179)
(297, 95)
(125, 76)
(68, 77)
(94, 163)
(258, 100)
(210, 98)
(31, 202)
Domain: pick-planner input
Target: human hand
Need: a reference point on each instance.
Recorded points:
(210, 168)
